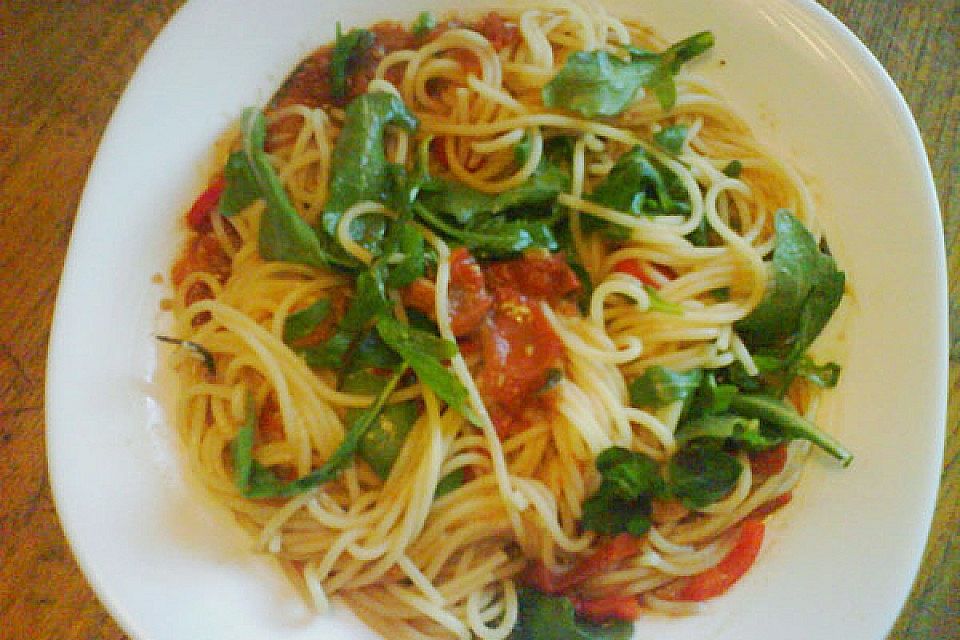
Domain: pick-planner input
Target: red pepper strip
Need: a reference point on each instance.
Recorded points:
(714, 582)
(199, 215)
(602, 610)
(614, 551)
(770, 506)
(640, 269)
(770, 461)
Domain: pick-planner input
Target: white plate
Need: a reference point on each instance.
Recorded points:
(838, 562)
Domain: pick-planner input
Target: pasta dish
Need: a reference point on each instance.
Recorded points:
(500, 326)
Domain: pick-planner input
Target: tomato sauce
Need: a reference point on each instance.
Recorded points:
(310, 83)
(498, 31)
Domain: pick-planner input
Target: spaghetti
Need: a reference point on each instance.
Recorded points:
(505, 326)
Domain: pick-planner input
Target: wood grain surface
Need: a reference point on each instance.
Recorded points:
(63, 66)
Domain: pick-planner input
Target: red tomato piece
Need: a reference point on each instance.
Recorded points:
(641, 270)
(548, 277)
(519, 348)
(770, 461)
(771, 505)
(714, 582)
(420, 295)
(602, 610)
(198, 218)
(610, 554)
(469, 299)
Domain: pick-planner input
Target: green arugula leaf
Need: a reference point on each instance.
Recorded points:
(622, 503)
(407, 241)
(660, 386)
(369, 350)
(669, 63)
(346, 49)
(348, 351)
(804, 290)
(497, 236)
(423, 353)
(255, 481)
(776, 374)
(720, 295)
(596, 83)
(424, 24)
(250, 477)
(566, 244)
(241, 448)
(733, 169)
(359, 168)
(607, 513)
(783, 420)
(729, 430)
(369, 300)
(465, 204)
(702, 473)
(558, 151)
(632, 474)
(825, 376)
(484, 221)
(641, 185)
(450, 482)
(330, 354)
(543, 187)
(521, 150)
(672, 138)
(543, 617)
(381, 444)
(711, 398)
(283, 236)
(302, 323)
(240, 188)
(660, 304)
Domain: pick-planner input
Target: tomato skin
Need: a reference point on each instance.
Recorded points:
(611, 553)
(548, 277)
(714, 582)
(198, 217)
(609, 608)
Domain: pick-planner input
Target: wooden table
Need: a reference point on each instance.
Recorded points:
(63, 66)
